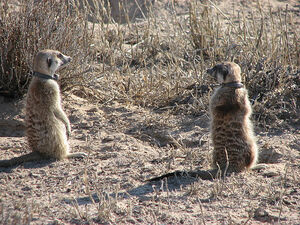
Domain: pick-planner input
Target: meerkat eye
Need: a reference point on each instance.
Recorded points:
(60, 56)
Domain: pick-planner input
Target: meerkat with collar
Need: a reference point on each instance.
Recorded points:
(47, 125)
(231, 130)
(235, 148)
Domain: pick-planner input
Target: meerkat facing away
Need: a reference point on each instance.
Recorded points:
(231, 130)
(235, 148)
(47, 125)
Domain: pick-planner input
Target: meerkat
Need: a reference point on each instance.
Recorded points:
(234, 144)
(47, 125)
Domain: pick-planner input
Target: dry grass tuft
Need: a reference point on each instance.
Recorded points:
(31, 26)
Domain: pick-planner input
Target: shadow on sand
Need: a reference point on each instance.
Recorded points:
(167, 184)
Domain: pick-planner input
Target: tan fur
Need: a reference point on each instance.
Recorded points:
(231, 129)
(47, 125)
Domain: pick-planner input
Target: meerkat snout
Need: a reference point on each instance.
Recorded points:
(58, 61)
(65, 59)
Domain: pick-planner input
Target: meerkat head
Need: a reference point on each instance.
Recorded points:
(226, 72)
(49, 61)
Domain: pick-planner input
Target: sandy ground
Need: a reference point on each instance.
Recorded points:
(127, 145)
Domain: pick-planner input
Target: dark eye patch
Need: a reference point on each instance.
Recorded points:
(60, 56)
(49, 61)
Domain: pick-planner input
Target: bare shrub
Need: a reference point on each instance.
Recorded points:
(115, 10)
(161, 61)
(32, 26)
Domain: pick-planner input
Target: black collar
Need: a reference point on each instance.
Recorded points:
(232, 84)
(45, 76)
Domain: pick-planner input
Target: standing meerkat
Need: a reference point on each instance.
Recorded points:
(235, 148)
(47, 125)
(231, 130)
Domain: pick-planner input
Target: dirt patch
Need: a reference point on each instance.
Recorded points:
(127, 145)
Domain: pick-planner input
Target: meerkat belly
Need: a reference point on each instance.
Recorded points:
(46, 134)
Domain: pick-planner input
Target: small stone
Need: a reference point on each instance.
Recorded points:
(260, 212)
(26, 188)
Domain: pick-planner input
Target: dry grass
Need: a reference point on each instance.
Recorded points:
(161, 62)
(29, 27)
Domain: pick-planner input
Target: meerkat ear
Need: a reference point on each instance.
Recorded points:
(49, 61)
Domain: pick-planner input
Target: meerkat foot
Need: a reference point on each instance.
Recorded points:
(77, 155)
(259, 166)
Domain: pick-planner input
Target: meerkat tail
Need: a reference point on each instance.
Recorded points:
(33, 156)
(202, 174)
(206, 174)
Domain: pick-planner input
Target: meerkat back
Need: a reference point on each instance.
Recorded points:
(231, 128)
